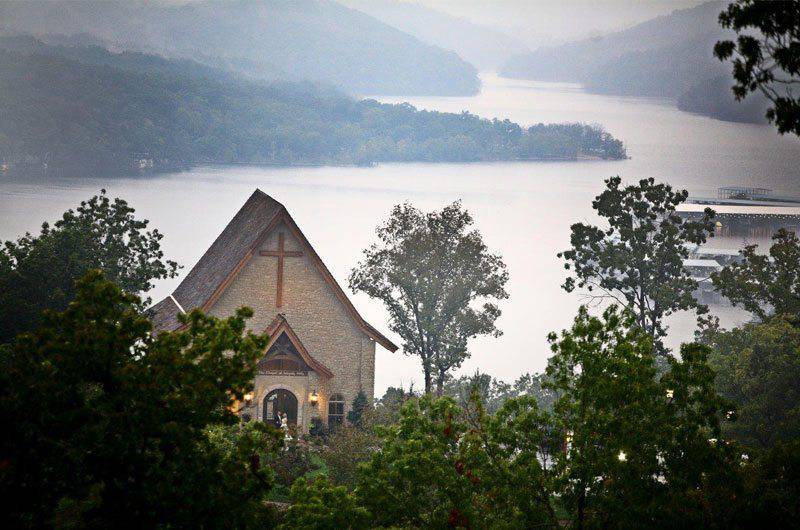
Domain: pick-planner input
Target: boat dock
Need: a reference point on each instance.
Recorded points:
(746, 212)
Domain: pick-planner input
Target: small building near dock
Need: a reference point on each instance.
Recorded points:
(748, 219)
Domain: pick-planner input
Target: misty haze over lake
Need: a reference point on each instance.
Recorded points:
(523, 209)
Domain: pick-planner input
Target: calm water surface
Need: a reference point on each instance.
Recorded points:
(523, 209)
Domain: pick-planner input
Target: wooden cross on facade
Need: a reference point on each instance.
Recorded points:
(281, 253)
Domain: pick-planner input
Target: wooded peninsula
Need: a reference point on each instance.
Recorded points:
(84, 109)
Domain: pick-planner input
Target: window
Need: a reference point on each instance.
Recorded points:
(281, 364)
(335, 411)
(282, 358)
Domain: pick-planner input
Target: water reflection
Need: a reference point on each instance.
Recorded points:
(524, 209)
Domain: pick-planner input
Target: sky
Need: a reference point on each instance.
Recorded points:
(560, 20)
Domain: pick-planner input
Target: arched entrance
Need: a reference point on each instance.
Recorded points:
(277, 402)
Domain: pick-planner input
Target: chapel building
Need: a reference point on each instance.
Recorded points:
(321, 352)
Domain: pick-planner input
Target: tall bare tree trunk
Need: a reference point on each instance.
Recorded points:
(426, 366)
(440, 383)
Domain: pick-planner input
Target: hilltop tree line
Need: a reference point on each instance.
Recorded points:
(85, 109)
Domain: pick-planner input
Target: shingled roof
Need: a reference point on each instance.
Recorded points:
(229, 253)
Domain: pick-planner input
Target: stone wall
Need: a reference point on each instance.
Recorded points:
(318, 318)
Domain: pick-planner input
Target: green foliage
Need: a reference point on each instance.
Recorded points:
(772, 489)
(319, 505)
(105, 425)
(39, 272)
(765, 284)
(418, 478)
(765, 55)
(430, 271)
(387, 408)
(492, 393)
(358, 410)
(758, 367)
(621, 448)
(293, 461)
(345, 449)
(637, 260)
(58, 110)
(243, 452)
(639, 448)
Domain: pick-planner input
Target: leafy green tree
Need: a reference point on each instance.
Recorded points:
(358, 410)
(758, 369)
(294, 461)
(430, 272)
(509, 457)
(107, 426)
(319, 505)
(766, 55)
(637, 260)
(39, 272)
(418, 478)
(622, 448)
(765, 285)
(243, 454)
(639, 450)
(771, 496)
(345, 450)
(492, 393)
(387, 408)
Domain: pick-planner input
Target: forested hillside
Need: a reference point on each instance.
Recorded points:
(670, 56)
(84, 108)
(317, 40)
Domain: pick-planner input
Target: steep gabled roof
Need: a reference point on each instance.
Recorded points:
(230, 252)
(164, 315)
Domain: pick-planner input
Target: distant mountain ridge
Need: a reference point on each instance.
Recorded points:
(485, 47)
(315, 40)
(670, 56)
(576, 60)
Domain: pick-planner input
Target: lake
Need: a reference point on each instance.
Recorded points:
(523, 209)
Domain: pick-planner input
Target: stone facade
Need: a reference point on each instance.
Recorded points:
(317, 316)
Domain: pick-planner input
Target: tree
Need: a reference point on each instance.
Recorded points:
(387, 408)
(39, 272)
(430, 271)
(766, 55)
(771, 496)
(106, 425)
(493, 393)
(637, 261)
(758, 369)
(765, 284)
(359, 408)
(622, 448)
(639, 451)
(319, 505)
(345, 450)
(419, 479)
